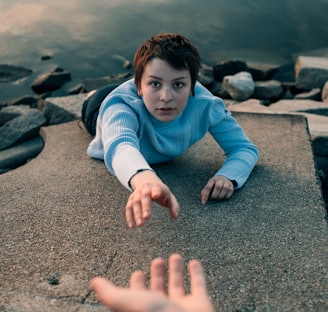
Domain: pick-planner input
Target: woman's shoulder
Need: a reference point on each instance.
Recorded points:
(125, 94)
(127, 88)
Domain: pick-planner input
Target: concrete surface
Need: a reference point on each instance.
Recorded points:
(265, 249)
(313, 110)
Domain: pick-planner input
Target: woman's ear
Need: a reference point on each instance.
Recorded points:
(139, 92)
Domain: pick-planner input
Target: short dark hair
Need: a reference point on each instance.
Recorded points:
(173, 48)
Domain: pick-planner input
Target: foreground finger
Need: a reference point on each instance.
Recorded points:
(125, 299)
(158, 275)
(176, 287)
(106, 292)
(197, 278)
(138, 280)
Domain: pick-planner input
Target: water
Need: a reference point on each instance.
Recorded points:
(83, 36)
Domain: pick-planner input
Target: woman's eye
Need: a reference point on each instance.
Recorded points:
(155, 84)
(178, 85)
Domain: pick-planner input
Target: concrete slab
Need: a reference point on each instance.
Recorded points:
(312, 110)
(265, 249)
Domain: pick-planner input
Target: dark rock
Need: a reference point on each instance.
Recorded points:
(126, 63)
(57, 69)
(320, 146)
(290, 87)
(10, 112)
(311, 72)
(93, 84)
(324, 93)
(217, 89)
(285, 73)
(12, 73)
(51, 81)
(77, 89)
(21, 128)
(314, 94)
(262, 72)
(287, 95)
(63, 109)
(225, 68)
(46, 57)
(205, 75)
(56, 115)
(18, 155)
(26, 100)
(268, 90)
(317, 111)
(322, 168)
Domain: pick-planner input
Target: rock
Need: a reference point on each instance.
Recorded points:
(311, 72)
(251, 105)
(240, 86)
(320, 146)
(18, 155)
(313, 110)
(21, 128)
(314, 94)
(288, 95)
(126, 63)
(262, 72)
(26, 100)
(226, 68)
(51, 81)
(46, 57)
(205, 76)
(285, 73)
(324, 93)
(217, 89)
(64, 109)
(12, 73)
(77, 89)
(10, 112)
(93, 84)
(268, 90)
(322, 169)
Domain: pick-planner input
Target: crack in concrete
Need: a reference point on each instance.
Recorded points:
(105, 271)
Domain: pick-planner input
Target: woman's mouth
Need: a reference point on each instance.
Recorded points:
(166, 109)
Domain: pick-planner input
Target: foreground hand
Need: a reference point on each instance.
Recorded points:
(148, 188)
(218, 187)
(138, 298)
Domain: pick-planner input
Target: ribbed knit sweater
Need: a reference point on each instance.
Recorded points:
(128, 138)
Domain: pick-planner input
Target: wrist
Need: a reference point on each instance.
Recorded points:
(234, 183)
(141, 176)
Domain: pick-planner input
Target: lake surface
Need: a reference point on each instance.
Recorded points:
(84, 36)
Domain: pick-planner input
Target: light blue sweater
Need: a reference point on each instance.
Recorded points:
(128, 138)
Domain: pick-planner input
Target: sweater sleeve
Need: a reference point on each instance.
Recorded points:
(127, 161)
(122, 156)
(241, 154)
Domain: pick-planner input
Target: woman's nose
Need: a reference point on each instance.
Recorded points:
(166, 94)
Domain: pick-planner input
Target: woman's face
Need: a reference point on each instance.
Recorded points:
(165, 90)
